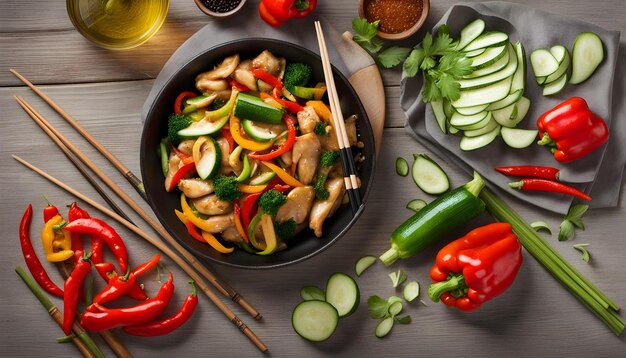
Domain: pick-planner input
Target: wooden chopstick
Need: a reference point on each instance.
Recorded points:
(161, 246)
(347, 159)
(130, 176)
(219, 283)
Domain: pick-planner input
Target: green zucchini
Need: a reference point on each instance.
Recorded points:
(254, 109)
(435, 220)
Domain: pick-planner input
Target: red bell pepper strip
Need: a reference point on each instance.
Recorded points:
(268, 17)
(238, 86)
(188, 165)
(534, 184)
(533, 171)
(191, 229)
(98, 228)
(476, 268)
(49, 211)
(571, 130)
(268, 78)
(30, 256)
(178, 103)
(169, 324)
(98, 318)
(291, 140)
(74, 213)
(73, 287)
(292, 107)
(229, 138)
(248, 204)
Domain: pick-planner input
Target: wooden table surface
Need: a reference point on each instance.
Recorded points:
(105, 92)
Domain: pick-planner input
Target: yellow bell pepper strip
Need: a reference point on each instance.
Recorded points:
(251, 189)
(237, 220)
(321, 109)
(216, 244)
(283, 175)
(190, 215)
(270, 100)
(48, 236)
(235, 131)
(271, 243)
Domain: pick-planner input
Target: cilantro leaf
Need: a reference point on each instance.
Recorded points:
(392, 56)
(455, 64)
(412, 63)
(427, 43)
(364, 29)
(430, 91)
(428, 63)
(441, 45)
(449, 87)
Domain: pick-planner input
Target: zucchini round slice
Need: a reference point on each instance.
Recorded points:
(543, 62)
(208, 156)
(518, 138)
(470, 32)
(587, 54)
(312, 293)
(429, 176)
(343, 293)
(363, 264)
(314, 320)
(257, 132)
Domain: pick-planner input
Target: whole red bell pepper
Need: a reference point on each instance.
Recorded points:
(571, 130)
(476, 268)
(276, 12)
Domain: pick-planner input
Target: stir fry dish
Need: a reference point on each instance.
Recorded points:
(254, 154)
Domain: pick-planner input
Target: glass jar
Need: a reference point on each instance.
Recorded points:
(117, 24)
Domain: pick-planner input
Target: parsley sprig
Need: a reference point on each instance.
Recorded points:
(437, 59)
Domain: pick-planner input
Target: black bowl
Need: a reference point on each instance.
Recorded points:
(300, 247)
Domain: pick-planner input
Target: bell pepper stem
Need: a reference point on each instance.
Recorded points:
(546, 140)
(454, 282)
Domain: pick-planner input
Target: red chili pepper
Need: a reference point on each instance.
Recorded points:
(100, 229)
(49, 211)
(549, 186)
(169, 324)
(108, 273)
(291, 140)
(267, 78)
(73, 287)
(268, 17)
(98, 318)
(180, 173)
(476, 268)
(533, 171)
(178, 104)
(229, 138)
(30, 256)
(238, 86)
(571, 130)
(77, 243)
(116, 287)
(292, 107)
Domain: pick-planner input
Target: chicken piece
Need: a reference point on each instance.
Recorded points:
(223, 70)
(306, 153)
(186, 146)
(350, 125)
(329, 141)
(244, 76)
(173, 164)
(212, 205)
(195, 188)
(210, 86)
(232, 235)
(268, 63)
(308, 119)
(219, 223)
(298, 205)
(287, 158)
(323, 209)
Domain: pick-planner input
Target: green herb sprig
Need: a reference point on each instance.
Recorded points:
(572, 220)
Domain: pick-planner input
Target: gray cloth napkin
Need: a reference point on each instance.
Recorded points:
(600, 172)
(246, 24)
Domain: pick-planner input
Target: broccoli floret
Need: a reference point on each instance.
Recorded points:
(176, 122)
(320, 128)
(329, 158)
(285, 229)
(226, 187)
(296, 74)
(271, 201)
(320, 190)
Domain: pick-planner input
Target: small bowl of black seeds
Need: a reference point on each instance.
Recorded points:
(219, 8)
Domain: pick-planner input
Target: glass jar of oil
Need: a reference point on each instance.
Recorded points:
(117, 24)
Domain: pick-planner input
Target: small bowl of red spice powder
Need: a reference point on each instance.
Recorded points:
(398, 19)
(219, 8)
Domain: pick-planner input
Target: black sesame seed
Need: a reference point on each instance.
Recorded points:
(221, 6)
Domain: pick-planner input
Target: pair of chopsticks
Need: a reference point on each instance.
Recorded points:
(345, 152)
(190, 265)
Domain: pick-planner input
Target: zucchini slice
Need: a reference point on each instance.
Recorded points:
(363, 264)
(512, 115)
(563, 67)
(470, 32)
(488, 39)
(506, 101)
(257, 132)
(494, 67)
(314, 320)
(207, 155)
(384, 327)
(468, 111)
(484, 95)
(556, 86)
(587, 54)
(490, 56)
(440, 115)
(518, 138)
(411, 291)
(472, 143)
(429, 176)
(474, 53)
(484, 81)
(480, 131)
(519, 78)
(342, 292)
(458, 120)
(312, 293)
(480, 124)
(543, 62)
(416, 205)
(253, 108)
(205, 126)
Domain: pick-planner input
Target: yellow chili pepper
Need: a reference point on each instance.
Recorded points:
(211, 240)
(251, 189)
(48, 236)
(282, 174)
(235, 131)
(269, 234)
(321, 109)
